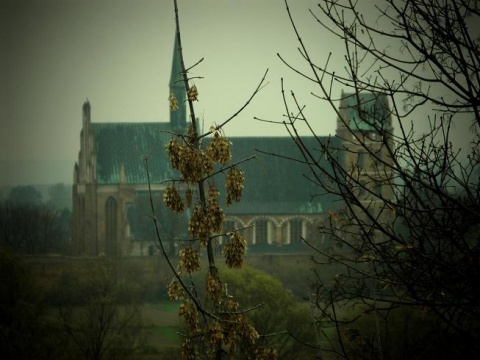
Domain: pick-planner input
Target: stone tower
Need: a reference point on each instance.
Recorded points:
(364, 126)
(84, 235)
(365, 129)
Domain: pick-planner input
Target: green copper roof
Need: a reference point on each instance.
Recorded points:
(274, 184)
(366, 111)
(120, 145)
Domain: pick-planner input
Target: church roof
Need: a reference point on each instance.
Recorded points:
(120, 147)
(274, 183)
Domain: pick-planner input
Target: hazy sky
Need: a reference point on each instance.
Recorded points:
(117, 53)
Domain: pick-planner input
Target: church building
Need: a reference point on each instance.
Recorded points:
(111, 198)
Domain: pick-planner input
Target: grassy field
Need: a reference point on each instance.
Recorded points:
(151, 274)
(162, 324)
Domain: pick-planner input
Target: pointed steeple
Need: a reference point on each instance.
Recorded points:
(177, 87)
(86, 111)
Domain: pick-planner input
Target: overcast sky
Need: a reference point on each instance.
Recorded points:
(117, 53)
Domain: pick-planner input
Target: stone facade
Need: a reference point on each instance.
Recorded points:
(110, 190)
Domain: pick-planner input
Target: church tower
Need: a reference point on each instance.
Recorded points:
(177, 87)
(84, 237)
(364, 127)
(365, 130)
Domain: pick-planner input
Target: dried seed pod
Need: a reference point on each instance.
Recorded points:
(234, 184)
(215, 216)
(190, 134)
(214, 287)
(193, 164)
(247, 331)
(189, 259)
(173, 102)
(193, 93)
(189, 311)
(175, 290)
(213, 193)
(188, 350)
(219, 149)
(173, 151)
(214, 337)
(234, 251)
(204, 223)
(266, 353)
(172, 199)
(198, 225)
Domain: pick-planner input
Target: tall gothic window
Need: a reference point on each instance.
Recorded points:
(82, 224)
(261, 232)
(296, 231)
(362, 159)
(111, 227)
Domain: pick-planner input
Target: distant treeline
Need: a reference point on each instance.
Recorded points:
(29, 225)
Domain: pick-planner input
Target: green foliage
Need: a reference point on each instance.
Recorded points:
(168, 332)
(276, 313)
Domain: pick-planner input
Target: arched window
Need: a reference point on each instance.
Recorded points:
(296, 231)
(261, 231)
(82, 224)
(111, 227)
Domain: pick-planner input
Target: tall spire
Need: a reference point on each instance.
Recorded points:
(177, 87)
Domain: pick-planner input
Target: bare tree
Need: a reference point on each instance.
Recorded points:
(406, 235)
(217, 327)
(32, 228)
(100, 312)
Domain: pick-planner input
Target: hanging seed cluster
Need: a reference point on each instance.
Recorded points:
(193, 93)
(214, 288)
(228, 327)
(175, 290)
(226, 333)
(266, 353)
(218, 150)
(173, 102)
(172, 199)
(189, 160)
(188, 350)
(203, 223)
(234, 184)
(190, 314)
(234, 251)
(189, 259)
